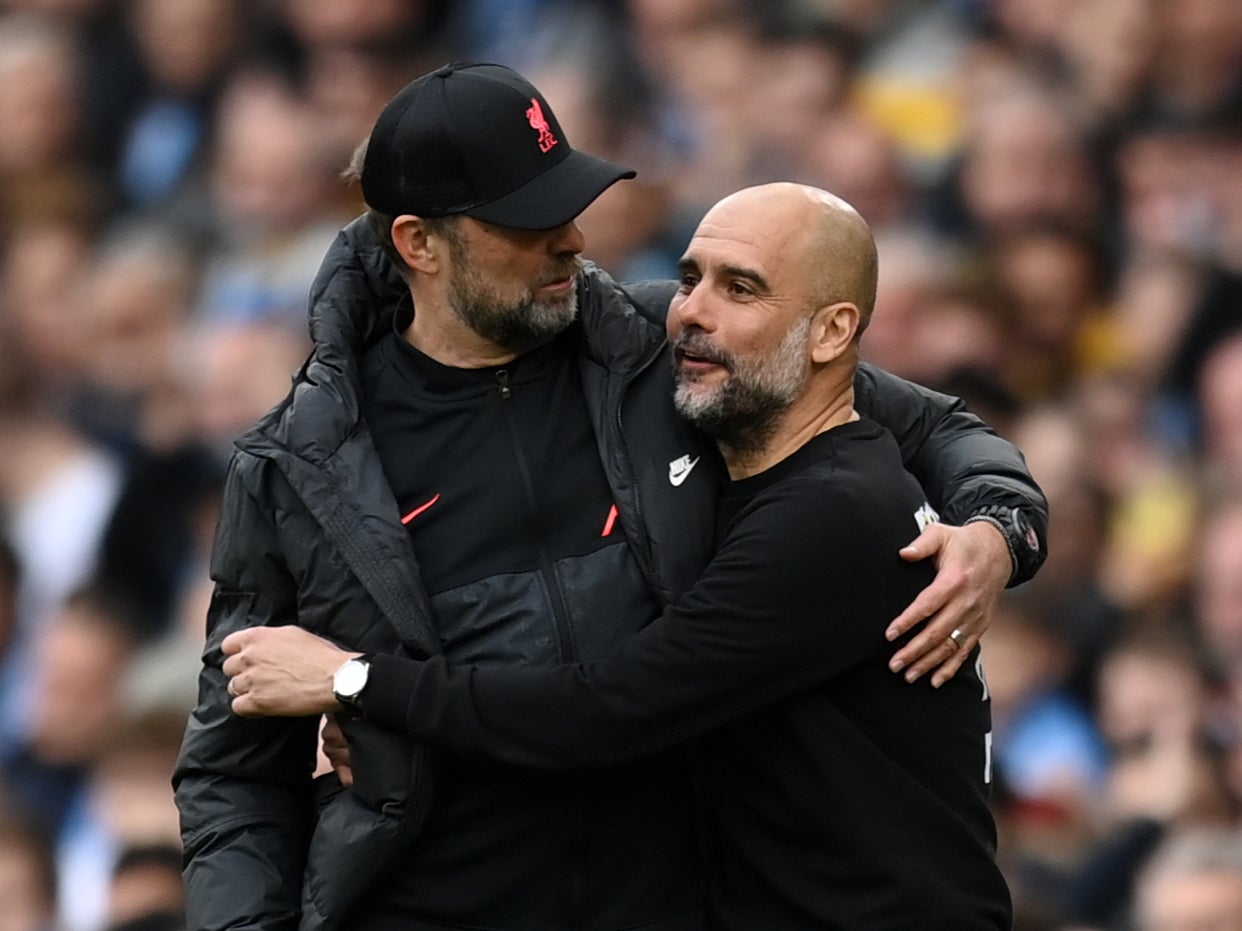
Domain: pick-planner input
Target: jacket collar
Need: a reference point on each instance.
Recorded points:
(615, 335)
(353, 302)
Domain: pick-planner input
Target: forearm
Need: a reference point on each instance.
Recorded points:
(572, 716)
(967, 470)
(759, 627)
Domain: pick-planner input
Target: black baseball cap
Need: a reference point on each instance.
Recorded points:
(479, 140)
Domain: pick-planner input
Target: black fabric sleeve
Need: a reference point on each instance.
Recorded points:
(651, 298)
(962, 464)
(959, 460)
(243, 785)
(755, 630)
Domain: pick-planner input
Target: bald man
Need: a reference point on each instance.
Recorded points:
(830, 793)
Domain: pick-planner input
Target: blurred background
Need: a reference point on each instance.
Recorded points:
(1056, 188)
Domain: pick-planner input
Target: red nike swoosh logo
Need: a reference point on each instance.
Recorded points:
(418, 510)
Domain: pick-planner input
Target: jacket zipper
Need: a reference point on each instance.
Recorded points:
(646, 558)
(568, 653)
(560, 614)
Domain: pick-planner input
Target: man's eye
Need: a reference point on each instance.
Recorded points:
(737, 289)
(687, 283)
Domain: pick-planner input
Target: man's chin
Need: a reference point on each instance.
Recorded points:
(544, 322)
(553, 318)
(695, 402)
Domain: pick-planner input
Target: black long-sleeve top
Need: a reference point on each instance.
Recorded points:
(830, 793)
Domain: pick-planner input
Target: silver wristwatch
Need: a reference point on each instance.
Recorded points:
(350, 680)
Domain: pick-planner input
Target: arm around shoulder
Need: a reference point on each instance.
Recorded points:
(651, 298)
(756, 629)
(968, 471)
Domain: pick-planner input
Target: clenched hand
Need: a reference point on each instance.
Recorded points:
(281, 671)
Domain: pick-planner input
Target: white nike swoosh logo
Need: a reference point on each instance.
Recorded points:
(678, 475)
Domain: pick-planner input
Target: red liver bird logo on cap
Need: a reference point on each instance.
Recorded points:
(540, 122)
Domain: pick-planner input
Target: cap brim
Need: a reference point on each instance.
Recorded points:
(555, 197)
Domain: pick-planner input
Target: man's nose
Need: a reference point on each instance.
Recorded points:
(566, 239)
(688, 310)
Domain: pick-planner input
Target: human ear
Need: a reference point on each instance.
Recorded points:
(833, 328)
(421, 251)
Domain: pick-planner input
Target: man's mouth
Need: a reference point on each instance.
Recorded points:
(694, 364)
(562, 279)
(698, 354)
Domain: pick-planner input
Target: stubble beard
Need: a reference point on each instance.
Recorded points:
(516, 324)
(744, 411)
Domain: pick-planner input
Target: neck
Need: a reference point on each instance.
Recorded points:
(813, 413)
(438, 332)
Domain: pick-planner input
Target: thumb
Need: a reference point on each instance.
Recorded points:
(927, 543)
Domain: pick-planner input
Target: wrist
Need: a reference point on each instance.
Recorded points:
(349, 682)
(1019, 536)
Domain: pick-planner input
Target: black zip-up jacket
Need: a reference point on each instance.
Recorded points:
(830, 793)
(310, 534)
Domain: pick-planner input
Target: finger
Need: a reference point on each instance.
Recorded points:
(233, 642)
(339, 758)
(948, 669)
(244, 706)
(945, 660)
(943, 652)
(961, 618)
(335, 750)
(912, 651)
(930, 600)
(232, 666)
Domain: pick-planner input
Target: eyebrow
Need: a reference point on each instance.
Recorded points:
(688, 264)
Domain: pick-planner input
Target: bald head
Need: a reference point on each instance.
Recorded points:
(776, 285)
(826, 241)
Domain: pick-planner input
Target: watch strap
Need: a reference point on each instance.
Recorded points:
(1025, 548)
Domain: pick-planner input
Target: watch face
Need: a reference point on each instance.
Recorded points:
(1025, 530)
(351, 679)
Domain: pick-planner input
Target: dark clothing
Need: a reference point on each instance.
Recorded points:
(311, 534)
(521, 506)
(836, 795)
(483, 445)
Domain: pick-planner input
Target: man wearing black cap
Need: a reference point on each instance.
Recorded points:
(481, 141)
(482, 461)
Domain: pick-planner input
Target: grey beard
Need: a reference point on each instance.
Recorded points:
(746, 411)
(517, 327)
(742, 418)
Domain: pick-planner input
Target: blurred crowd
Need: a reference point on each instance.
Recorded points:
(1056, 189)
